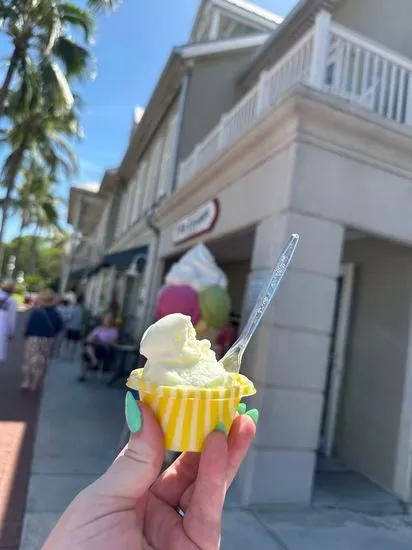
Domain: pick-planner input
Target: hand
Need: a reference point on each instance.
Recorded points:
(131, 507)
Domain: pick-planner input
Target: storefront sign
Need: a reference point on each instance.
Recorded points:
(201, 221)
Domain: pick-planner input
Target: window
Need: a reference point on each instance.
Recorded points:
(152, 174)
(166, 163)
(138, 196)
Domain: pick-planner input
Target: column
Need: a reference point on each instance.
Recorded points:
(287, 358)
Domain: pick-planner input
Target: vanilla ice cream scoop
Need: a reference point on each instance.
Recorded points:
(176, 358)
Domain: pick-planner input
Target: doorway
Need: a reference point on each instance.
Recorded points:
(336, 486)
(337, 352)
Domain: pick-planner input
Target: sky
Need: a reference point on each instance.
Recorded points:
(131, 48)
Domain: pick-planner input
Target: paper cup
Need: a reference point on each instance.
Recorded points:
(188, 414)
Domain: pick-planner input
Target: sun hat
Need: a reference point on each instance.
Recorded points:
(47, 297)
(7, 285)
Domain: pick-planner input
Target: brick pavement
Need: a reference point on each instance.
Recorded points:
(18, 416)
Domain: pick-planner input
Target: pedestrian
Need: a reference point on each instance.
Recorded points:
(75, 326)
(43, 325)
(226, 336)
(8, 312)
(65, 314)
(98, 347)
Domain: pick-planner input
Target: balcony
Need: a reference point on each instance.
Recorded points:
(330, 58)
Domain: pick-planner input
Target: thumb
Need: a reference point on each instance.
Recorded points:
(139, 464)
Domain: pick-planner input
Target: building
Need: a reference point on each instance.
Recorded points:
(309, 132)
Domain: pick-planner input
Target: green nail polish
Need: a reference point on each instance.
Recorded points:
(133, 414)
(220, 427)
(254, 415)
(242, 408)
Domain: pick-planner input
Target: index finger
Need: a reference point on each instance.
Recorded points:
(202, 521)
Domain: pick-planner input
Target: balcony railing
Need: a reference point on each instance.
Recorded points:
(328, 57)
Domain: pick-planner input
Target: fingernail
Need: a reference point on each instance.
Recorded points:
(220, 427)
(254, 415)
(242, 408)
(133, 414)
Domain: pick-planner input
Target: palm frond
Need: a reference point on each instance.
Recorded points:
(54, 28)
(74, 57)
(63, 147)
(50, 213)
(104, 5)
(72, 14)
(22, 99)
(56, 89)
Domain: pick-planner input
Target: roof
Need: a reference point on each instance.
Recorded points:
(87, 200)
(253, 9)
(167, 88)
(299, 20)
(109, 181)
(241, 9)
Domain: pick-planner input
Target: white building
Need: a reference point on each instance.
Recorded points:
(252, 137)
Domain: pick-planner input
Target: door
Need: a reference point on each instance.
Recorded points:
(337, 356)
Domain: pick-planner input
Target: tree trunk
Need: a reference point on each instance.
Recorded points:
(10, 183)
(19, 244)
(8, 78)
(4, 217)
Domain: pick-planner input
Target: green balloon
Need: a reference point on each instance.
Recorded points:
(215, 306)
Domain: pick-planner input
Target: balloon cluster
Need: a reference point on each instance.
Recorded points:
(197, 287)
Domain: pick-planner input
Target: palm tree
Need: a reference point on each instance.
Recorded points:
(37, 132)
(37, 205)
(40, 34)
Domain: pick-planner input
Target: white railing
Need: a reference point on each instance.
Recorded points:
(328, 57)
(292, 68)
(363, 72)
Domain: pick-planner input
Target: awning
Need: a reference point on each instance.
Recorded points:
(133, 258)
(79, 273)
(126, 259)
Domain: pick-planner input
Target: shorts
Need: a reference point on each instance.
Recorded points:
(74, 335)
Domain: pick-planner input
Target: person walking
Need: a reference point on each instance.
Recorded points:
(75, 326)
(43, 325)
(8, 313)
(65, 314)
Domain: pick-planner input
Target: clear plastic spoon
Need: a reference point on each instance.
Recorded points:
(233, 358)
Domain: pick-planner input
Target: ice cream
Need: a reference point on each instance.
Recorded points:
(188, 391)
(175, 357)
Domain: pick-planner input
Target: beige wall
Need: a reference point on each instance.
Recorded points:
(387, 22)
(212, 92)
(372, 393)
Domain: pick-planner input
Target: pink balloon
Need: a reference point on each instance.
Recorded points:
(178, 299)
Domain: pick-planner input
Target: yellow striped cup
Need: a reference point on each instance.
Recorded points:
(188, 414)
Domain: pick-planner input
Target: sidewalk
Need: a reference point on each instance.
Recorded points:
(78, 432)
(18, 415)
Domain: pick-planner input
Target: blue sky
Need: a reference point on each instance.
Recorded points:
(131, 47)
